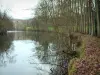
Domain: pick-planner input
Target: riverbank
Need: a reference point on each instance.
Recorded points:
(88, 62)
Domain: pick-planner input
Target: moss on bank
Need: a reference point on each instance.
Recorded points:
(88, 63)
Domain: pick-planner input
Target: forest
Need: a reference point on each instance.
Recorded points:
(63, 36)
(61, 16)
(68, 16)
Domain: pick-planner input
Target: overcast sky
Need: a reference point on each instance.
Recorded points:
(19, 9)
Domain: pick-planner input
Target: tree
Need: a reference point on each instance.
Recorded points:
(69, 15)
(5, 22)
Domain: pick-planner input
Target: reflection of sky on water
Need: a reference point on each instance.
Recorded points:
(23, 51)
(32, 53)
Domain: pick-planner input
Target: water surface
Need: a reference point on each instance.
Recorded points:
(32, 53)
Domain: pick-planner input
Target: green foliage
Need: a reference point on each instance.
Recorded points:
(50, 28)
(71, 67)
(29, 28)
(81, 50)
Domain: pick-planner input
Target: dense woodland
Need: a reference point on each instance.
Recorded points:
(68, 16)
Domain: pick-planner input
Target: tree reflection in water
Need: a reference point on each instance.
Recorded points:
(54, 49)
(51, 56)
(6, 49)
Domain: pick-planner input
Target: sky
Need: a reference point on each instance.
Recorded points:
(19, 9)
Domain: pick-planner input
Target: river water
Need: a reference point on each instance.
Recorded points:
(33, 53)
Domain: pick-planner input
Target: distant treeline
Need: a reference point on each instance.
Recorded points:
(5, 22)
(68, 16)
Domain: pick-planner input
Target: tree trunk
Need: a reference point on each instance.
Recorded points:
(98, 19)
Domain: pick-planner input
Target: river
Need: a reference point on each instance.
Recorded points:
(33, 53)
